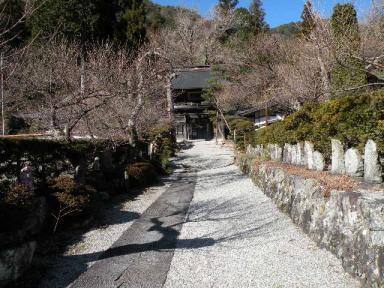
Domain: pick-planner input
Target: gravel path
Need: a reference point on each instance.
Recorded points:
(228, 235)
(255, 245)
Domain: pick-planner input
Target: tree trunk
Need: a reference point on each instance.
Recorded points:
(170, 97)
(324, 76)
(139, 105)
(82, 74)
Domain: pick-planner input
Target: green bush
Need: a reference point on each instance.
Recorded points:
(351, 119)
(242, 127)
(142, 174)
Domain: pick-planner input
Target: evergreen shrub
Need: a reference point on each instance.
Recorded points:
(242, 127)
(142, 174)
(351, 119)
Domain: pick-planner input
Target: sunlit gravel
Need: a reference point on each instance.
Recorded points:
(249, 242)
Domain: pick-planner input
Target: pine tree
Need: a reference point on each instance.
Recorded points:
(345, 27)
(76, 20)
(243, 27)
(87, 21)
(257, 13)
(227, 5)
(308, 23)
(132, 22)
(349, 73)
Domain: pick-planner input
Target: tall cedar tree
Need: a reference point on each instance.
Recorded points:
(257, 13)
(308, 23)
(349, 72)
(243, 28)
(227, 5)
(76, 20)
(132, 22)
(87, 21)
(345, 27)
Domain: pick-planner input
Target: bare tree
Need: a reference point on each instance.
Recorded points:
(193, 41)
(11, 28)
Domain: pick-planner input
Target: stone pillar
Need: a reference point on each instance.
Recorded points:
(26, 177)
(293, 154)
(318, 161)
(354, 165)
(81, 172)
(278, 153)
(150, 151)
(300, 154)
(308, 154)
(372, 167)
(96, 165)
(272, 152)
(287, 153)
(338, 163)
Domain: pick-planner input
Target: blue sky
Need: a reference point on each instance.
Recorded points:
(278, 11)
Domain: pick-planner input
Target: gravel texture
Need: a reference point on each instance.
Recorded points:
(82, 255)
(254, 244)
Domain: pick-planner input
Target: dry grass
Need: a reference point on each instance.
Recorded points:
(326, 181)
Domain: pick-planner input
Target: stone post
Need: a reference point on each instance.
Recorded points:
(293, 154)
(26, 177)
(300, 154)
(338, 163)
(81, 172)
(318, 161)
(271, 150)
(354, 165)
(96, 165)
(278, 153)
(372, 167)
(150, 151)
(287, 153)
(308, 154)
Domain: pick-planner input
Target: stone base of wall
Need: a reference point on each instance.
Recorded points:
(349, 224)
(14, 261)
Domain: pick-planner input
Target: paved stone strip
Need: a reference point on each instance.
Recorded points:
(142, 255)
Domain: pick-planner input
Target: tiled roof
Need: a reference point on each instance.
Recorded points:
(191, 78)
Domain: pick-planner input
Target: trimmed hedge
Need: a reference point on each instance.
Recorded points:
(53, 157)
(142, 174)
(351, 119)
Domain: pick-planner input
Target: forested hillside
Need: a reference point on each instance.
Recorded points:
(116, 20)
(314, 60)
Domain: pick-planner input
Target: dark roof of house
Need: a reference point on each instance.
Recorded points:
(192, 78)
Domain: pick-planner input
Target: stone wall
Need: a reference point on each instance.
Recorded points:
(349, 224)
(106, 173)
(18, 247)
